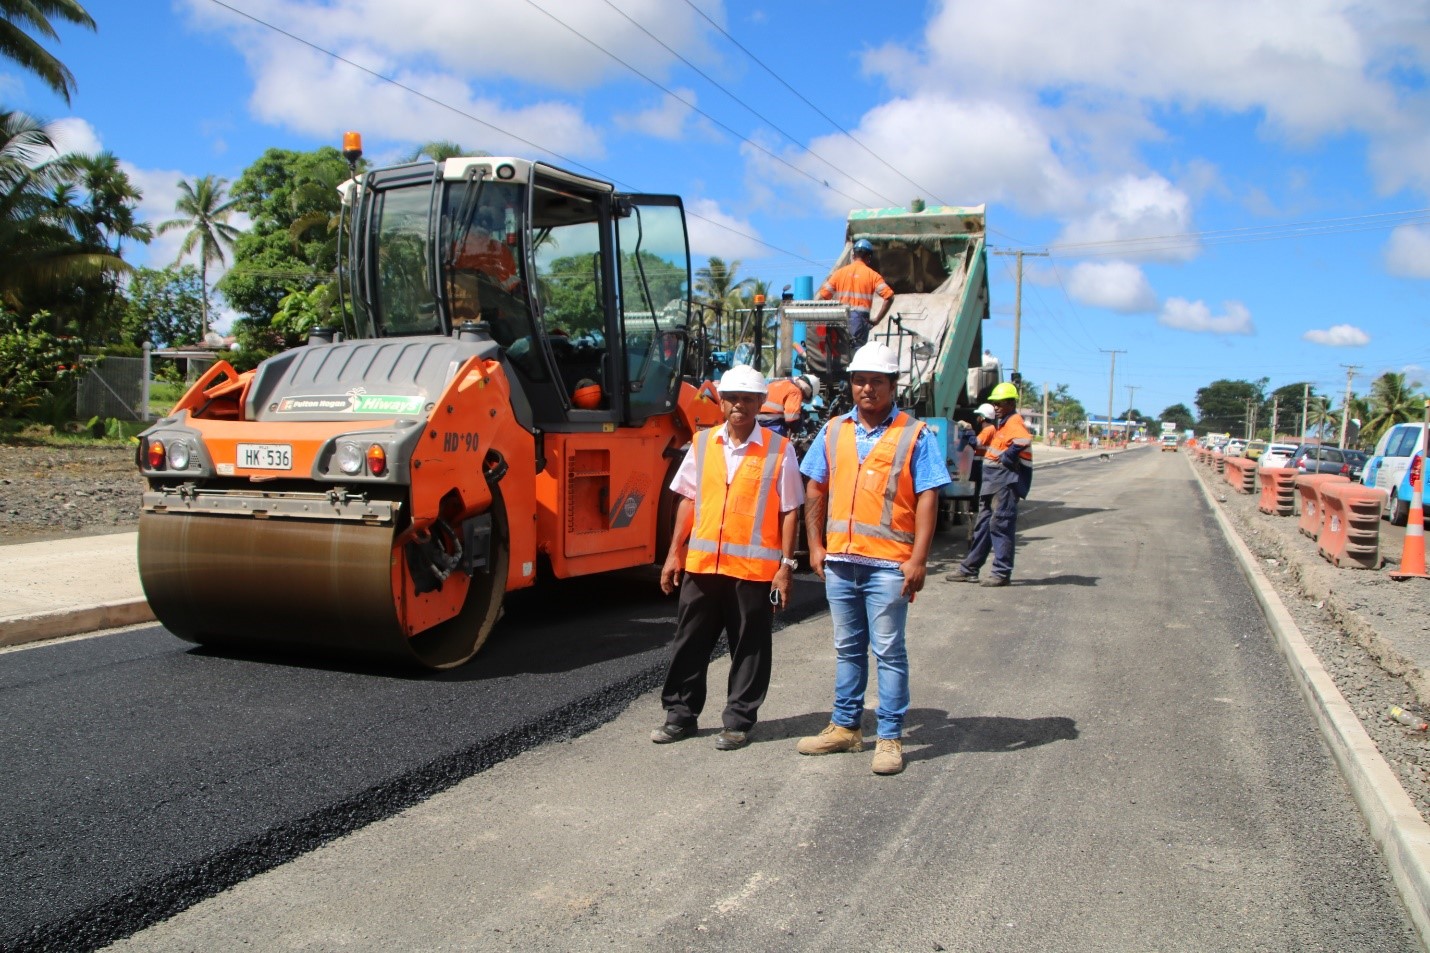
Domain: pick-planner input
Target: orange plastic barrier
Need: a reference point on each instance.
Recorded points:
(1218, 461)
(1308, 493)
(1350, 525)
(1241, 474)
(1278, 490)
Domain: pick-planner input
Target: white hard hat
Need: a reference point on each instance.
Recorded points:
(986, 411)
(813, 383)
(876, 357)
(743, 379)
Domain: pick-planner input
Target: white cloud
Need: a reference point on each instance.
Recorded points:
(1407, 252)
(667, 120)
(713, 232)
(74, 136)
(1187, 315)
(1339, 335)
(1115, 285)
(1139, 217)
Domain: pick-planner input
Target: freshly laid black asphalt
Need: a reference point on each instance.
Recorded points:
(142, 774)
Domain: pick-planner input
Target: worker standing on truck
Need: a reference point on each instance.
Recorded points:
(855, 285)
(874, 475)
(1007, 477)
(783, 408)
(733, 543)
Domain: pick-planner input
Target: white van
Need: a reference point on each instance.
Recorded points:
(1392, 458)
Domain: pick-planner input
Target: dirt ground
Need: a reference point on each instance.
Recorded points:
(58, 492)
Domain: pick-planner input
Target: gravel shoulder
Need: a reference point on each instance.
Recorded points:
(1369, 631)
(61, 492)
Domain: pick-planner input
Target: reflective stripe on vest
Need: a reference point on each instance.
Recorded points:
(745, 545)
(851, 522)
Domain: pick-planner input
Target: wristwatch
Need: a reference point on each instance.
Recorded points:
(791, 563)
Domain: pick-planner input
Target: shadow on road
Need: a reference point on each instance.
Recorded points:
(1068, 580)
(1042, 512)
(931, 733)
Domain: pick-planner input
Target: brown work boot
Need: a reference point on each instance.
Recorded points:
(888, 756)
(833, 738)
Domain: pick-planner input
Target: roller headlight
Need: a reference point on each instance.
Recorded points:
(350, 458)
(179, 455)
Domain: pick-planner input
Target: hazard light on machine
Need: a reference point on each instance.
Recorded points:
(265, 456)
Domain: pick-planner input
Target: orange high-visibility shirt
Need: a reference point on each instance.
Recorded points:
(871, 506)
(737, 519)
(784, 399)
(855, 284)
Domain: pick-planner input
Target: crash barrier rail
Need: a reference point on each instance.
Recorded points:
(1218, 461)
(1350, 525)
(1278, 490)
(1308, 494)
(1241, 474)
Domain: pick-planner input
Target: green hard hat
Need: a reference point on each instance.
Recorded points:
(1004, 391)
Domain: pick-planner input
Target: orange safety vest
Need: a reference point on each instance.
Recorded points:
(489, 256)
(985, 437)
(856, 284)
(1003, 437)
(784, 401)
(737, 521)
(871, 505)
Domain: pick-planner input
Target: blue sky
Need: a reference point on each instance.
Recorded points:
(1226, 189)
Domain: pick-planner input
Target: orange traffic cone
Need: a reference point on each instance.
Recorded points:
(1412, 557)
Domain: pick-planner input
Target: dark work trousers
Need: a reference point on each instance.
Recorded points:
(710, 603)
(997, 523)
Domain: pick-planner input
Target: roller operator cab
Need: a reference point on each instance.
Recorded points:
(506, 391)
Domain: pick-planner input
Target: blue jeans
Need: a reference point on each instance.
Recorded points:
(869, 612)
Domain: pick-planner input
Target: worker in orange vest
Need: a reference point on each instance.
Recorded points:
(1007, 477)
(733, 544)
(874, 475)
(978, 437)
(783, 408)
(856, 285)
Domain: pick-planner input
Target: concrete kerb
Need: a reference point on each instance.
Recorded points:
(1395, 825)
(43, 626)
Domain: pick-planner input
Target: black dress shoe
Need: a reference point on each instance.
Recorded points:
(667, 733)
(730, 739)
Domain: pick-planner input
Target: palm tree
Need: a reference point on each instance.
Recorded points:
(111, 200)
(716, 290)
(1392, 401)
(205, 214)
(439, 150)
(1320, 418)
(18, 45)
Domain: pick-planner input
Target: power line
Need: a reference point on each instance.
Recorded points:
(750, 109)
(822, 114)
(681, 99)
(482, 122)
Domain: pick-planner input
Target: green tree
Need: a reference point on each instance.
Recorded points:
(18, 16)
(1285, 404)
(716, 290)
(32, 361)
(1321, 420)
(1393, 400)
(1179, 414)
(204, 213)
(439, 150)
(293, 202)
(165, 307)
(1065, 411)
(1223, 405)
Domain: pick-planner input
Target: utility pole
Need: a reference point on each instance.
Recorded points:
(1275, 409)
(1111, 375)
(1047, 427)
(1018, 298)
(1132, 390)
(1346, 404)
(1305, 404)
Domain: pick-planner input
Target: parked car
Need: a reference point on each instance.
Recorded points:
(1276, 455)
(1356, 459)
(1234, 447)
(1314, 458)
(1391, 460)
(1254, 450)
(1398, 506)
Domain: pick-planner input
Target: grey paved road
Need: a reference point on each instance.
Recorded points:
(1108, 755)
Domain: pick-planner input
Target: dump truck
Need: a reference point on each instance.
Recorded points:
(504, 400)
(934, 258)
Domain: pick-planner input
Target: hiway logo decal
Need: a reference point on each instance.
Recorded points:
(353, 402)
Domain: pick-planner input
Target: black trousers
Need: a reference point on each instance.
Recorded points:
(710, 604)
